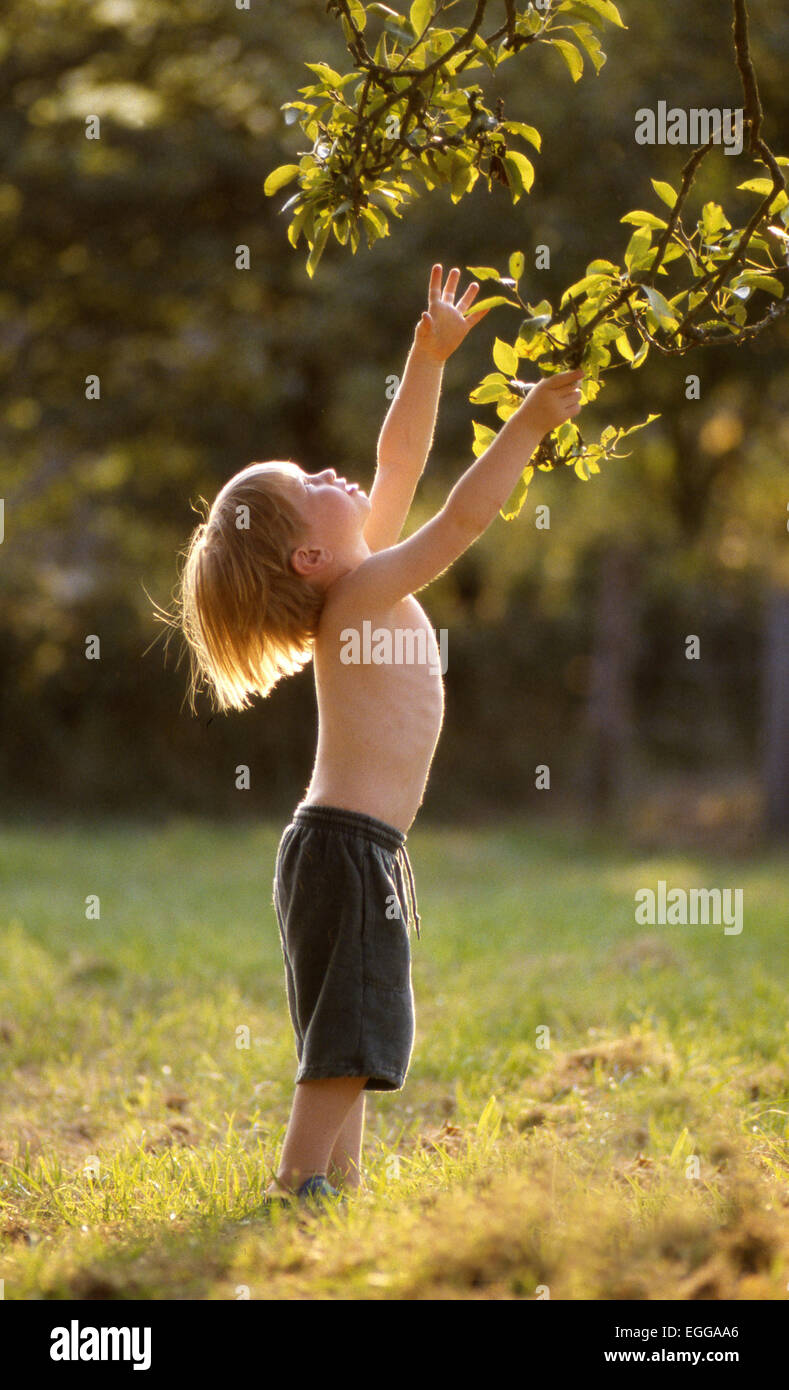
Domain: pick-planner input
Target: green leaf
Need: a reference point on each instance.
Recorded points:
(483, 438)
(302, 222)
(622, 344)
(713, 220)
(321, 237)
(279, 177)
(529, 132)
(763, 186)
(757, 280)
(604, 8)
(420, 14)
(517, 265)
(665, 191)
(463, 178)
(358, 14)
(492, 303)
(514, 503)
(487, 54)
(587, 36)
(643, 219)
(376, 224)
(660, 307)
(598, 267)
(524, 166)
(587, 285)
(323, 71)
(485, 395)
(567, 435)
(638, 249)
(571, 55)
(482, 272)
(505, 357)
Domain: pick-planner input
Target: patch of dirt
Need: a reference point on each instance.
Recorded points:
(16, 1233)
(641, 1167)
(770, 1082)
(563, 1115)
(175, 1133)
(617, 1058)
(448, 1138)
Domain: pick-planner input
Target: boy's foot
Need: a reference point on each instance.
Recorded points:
(318, 1186)
(315, 1189)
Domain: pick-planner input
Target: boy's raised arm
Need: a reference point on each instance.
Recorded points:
(407, 432)
(473, 503)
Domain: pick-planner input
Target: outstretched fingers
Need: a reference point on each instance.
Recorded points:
(434, 289)
(468, 298)
(451, 285)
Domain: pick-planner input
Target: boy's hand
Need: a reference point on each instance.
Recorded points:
(443, 327)
(553, 400)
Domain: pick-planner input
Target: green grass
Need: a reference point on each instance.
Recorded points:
(138, 1136)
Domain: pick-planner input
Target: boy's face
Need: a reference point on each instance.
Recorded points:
(334, 511)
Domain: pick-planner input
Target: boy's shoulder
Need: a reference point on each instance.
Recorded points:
(352, 595)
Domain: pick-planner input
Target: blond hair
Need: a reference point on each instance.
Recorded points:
(247, 616)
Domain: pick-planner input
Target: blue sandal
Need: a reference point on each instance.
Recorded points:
(317, 1187)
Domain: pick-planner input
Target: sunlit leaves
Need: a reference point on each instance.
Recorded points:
(602, 9)
(643, 219)
(410, 122)
(660, 310)
(666, 192)
(420, 14)
(521, 172)
(517, 265)
(505, 356)
(279, 177)
(614, 314)
(571, 56)
(492, 303)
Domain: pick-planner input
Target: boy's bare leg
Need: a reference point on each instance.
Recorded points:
(345, 1160)
(318, 1113)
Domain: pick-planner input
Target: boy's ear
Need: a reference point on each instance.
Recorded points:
(309, 560)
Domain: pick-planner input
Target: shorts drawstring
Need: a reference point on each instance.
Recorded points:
(410, 887)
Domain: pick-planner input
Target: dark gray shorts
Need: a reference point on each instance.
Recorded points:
(343, 894)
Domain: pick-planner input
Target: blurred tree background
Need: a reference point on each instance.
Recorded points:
(566, 646)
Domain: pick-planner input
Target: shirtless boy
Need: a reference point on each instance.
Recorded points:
(285, 565)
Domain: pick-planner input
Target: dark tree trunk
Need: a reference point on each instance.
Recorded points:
(609, 715)
(776, 712)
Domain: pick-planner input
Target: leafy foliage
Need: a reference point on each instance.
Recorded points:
(404, 120)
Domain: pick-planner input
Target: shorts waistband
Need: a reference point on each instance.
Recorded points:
(387, 836)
